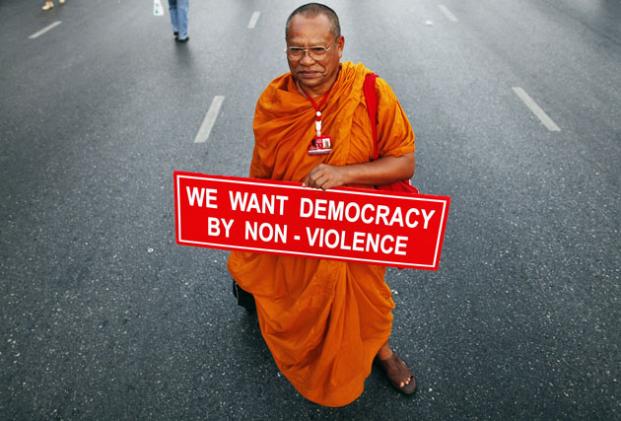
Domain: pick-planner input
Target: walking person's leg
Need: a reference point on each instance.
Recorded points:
(174, 20)
(183, 8)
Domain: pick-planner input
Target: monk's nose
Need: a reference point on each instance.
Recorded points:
(307, 60)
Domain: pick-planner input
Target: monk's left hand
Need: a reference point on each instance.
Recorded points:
(326, 176)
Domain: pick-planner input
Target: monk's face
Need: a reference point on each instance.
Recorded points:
(314, 74)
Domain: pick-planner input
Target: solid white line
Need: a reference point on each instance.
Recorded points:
(449, 15)
(536, 109)
(253, 20)
(210, 119)
(44, 30)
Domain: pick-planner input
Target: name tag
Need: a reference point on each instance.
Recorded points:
(320, 145)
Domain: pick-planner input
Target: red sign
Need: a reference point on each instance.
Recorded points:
(360, 225)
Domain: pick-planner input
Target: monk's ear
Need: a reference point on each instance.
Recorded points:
(340, 43)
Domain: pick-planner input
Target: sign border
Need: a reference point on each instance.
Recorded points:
(178, 175)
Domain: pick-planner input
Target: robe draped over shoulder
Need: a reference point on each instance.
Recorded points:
(323, 320)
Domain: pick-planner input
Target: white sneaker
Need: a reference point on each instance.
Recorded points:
(48, 6)
(61, 1)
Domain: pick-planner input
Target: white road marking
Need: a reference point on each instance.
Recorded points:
(44, 30)
(210, 119)
(536, 109)
(449, 15)
(158, 10)
(253, 20)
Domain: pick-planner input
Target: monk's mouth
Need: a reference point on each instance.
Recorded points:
(309, 75)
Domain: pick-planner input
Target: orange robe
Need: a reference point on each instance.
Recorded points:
(324, 321)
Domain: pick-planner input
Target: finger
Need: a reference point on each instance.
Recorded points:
(318, 169)
(317, 173)
(332, 182)
(312, 182)
(323, 181)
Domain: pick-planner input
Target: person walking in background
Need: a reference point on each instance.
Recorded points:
(179, 19)
(49, 4)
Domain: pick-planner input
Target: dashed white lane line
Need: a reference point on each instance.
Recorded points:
(253, 20)
(449, 15)
(536, 109)
(158, 10)
(209, 120)
(44, 30)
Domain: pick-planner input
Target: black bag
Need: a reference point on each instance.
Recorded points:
(244, 298)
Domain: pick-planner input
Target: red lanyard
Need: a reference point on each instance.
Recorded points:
(317, 107)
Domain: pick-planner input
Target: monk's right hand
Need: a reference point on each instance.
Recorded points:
(326, 176)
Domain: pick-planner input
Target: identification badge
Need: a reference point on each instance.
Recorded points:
(320, 145)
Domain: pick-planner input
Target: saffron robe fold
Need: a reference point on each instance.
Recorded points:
(323, 321)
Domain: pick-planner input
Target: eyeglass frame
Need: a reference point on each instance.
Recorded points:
(306, 51)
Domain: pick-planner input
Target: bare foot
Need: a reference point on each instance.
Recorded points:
(396, 370)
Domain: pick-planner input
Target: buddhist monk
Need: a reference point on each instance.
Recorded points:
(325, 321)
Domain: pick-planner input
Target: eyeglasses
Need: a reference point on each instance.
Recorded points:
(316, 53)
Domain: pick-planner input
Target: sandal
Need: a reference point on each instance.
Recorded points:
(396, 369)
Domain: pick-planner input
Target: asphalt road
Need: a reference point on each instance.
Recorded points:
(103, 316)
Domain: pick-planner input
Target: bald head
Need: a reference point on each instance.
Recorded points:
(311, 10)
